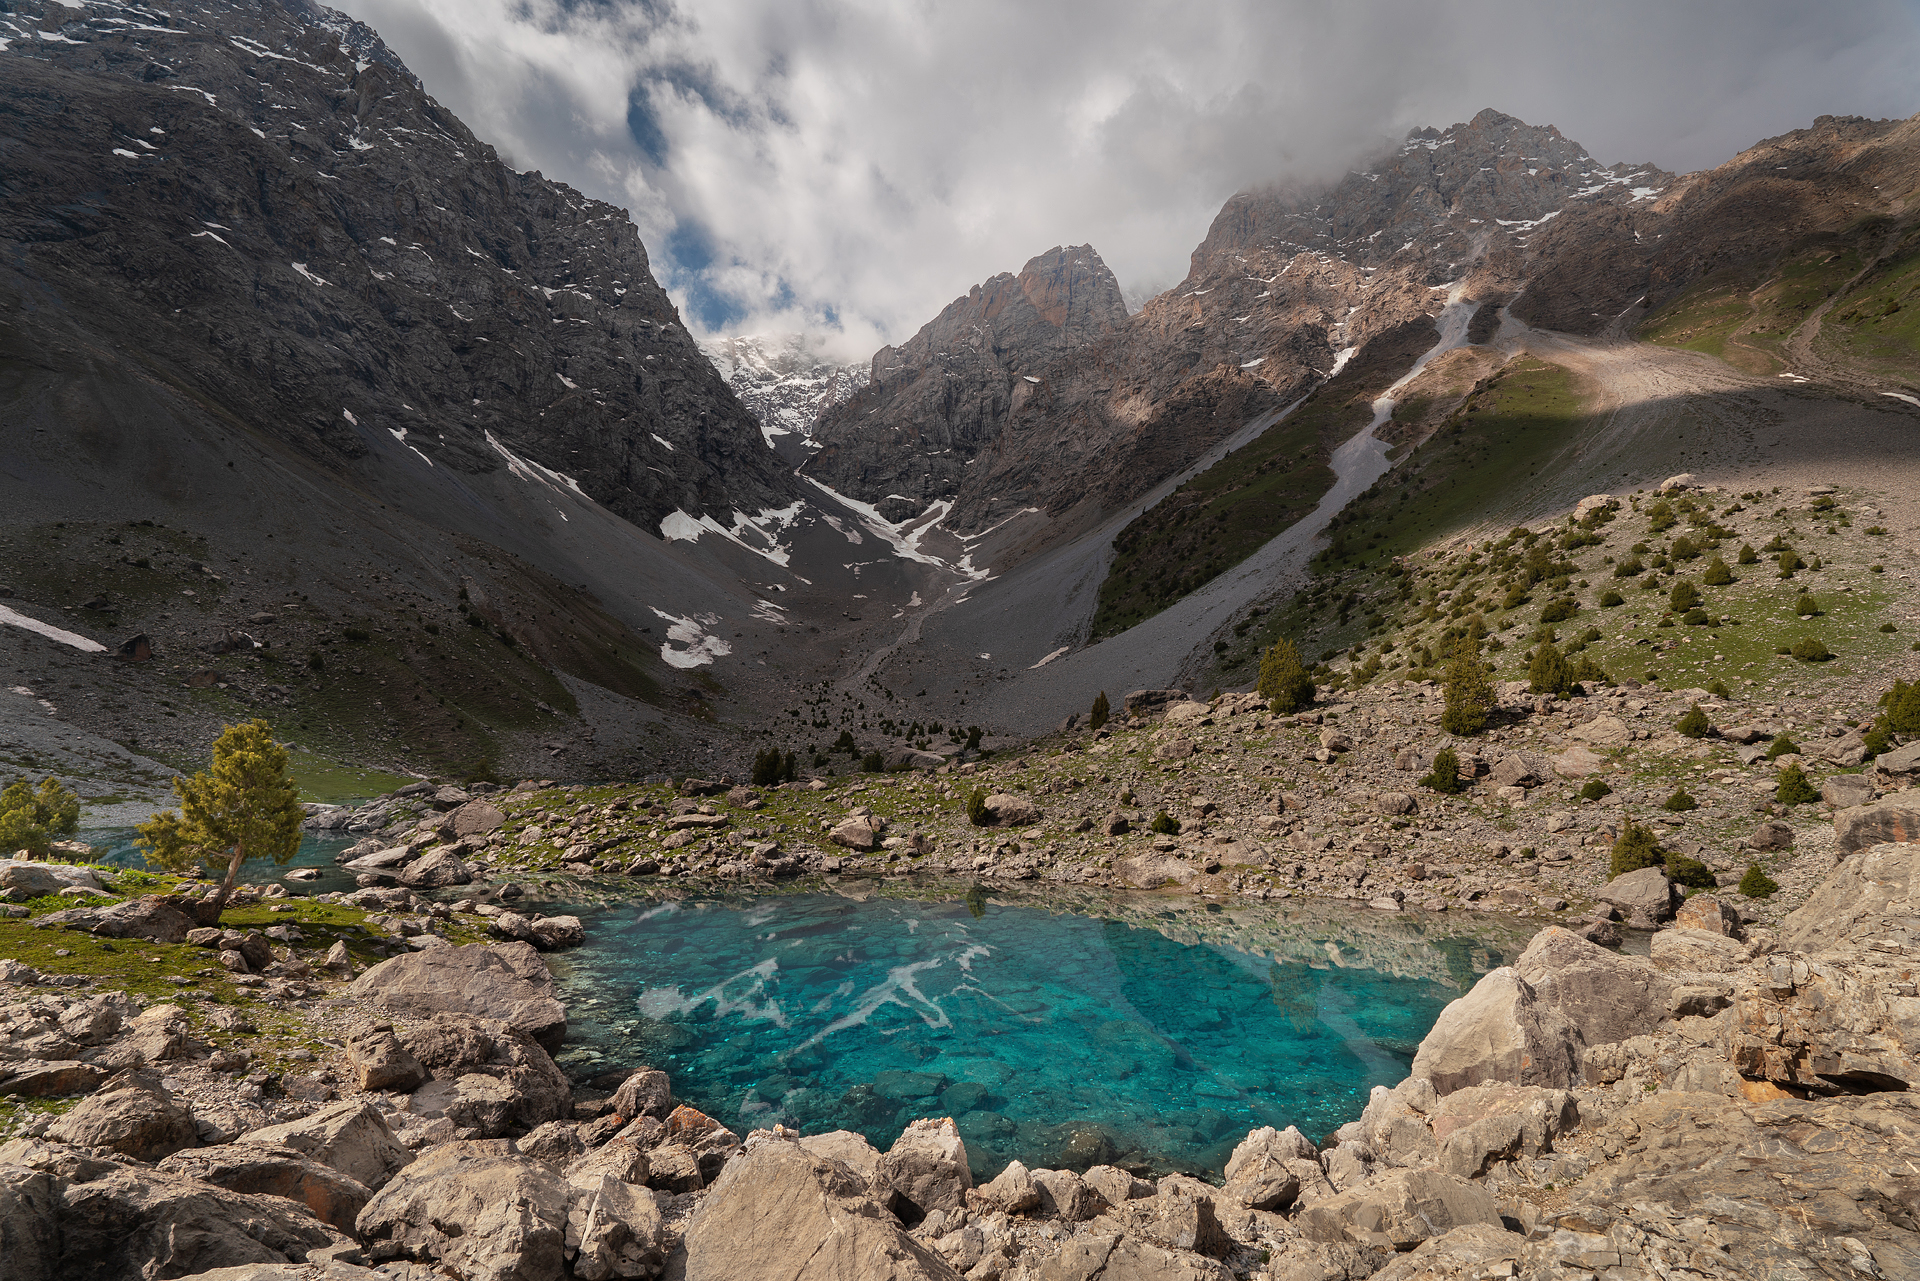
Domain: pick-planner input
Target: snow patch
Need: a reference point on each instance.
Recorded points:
(756, 534)
(662, 439)
(1901, 395)
(1058, 653)
(48, 630)
(527, 469)
(301, 267)
(701, 647)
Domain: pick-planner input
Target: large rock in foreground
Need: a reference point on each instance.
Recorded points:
(1858, 896)
(1499, 1031)
(150, 1223)
(780, 1211)
(1606, 996)
(1893, 819)
(133, 1114)
(477, 1215)
(352, 1138)
(1399, 1210)
(505, 981)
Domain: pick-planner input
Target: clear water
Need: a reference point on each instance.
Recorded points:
(118, 848)
(1065, 1031)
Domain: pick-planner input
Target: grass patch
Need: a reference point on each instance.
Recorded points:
(331, 782)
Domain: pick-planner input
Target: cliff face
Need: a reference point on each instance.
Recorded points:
(787, 384)
(937, 400)
(262, 204)
(1282, 285)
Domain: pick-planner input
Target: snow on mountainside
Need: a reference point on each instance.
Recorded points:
(786, 382)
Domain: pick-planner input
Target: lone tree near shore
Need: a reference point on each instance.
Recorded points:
(30, 820)
(244, 808)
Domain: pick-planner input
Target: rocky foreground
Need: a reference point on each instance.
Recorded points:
(1736, 1105)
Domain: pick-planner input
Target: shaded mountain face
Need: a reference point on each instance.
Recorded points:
(1281, 286)
(265, 205)
(937, 400)
(787, 384)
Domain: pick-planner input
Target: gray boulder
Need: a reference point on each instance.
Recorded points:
(489, 1077)
(1065, 1196)
(505, 981)
(1259, 1173)
(1876, 883)
(1152, 702)
(1845, 791)
(1482, 1124)
(780, 1211)
(1011, 1191)
(132, 1114)
(1892, 819)
(1011, 810)
(1499, 1031)
(645, 1092)
(614, 1230)
(859, 831)
(1605, 996)
(437, 869)
(1110, 1257)
(152, 1223)
(473, 1214)
(1398, 1210)
(925, 1170)
(476, 818)
(850, 1149)
(29, 1226)
(1644, 897)
(42, 880)
(352, 1138)
(39, 1078)
(1904, 759)
(379, 1062)
(261, 1170)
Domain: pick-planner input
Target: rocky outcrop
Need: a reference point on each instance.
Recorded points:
(506, 981)
(780, 1210)
(150, 1223)
(1867, 892)
(1399, 1210)
(473, 1213)
(1500, 1031)
(489, 1078)
(351, 1138)
(131, 1114)
(934, 403)
(1893, 819)
(925, 1170)
(263, 1170)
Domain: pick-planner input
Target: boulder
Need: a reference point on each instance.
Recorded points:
(381, 860)
(645, 1092)
(1824, 1028)
(263, 1170)
(1010, 810)
(161, 919)
(614, 1230)
(1398, 1210)
(1684, 951)
(352, 1138)
(782, 1211)
(849, 1149)
(1685, 480)
(1153, 702)
(1607, 997)
(155, 1223)
(1578, 762)
(1707, 912)
(1394, 803)
(1065, 1196)
(1594, 503)
(1845, 791)
(1771, 835)
(859, 831)
(1901, 760)
(925, 1170)
(1185, 1218)
(1116, 1186)
(472, 1213)
(131, 1114)
(1258, 1173)
(1893, 818)
(1174, 749)
(505, 981)
(489, 1077)
(1012, 1191)
(1603, 732)
(437, 869)
(1189, 710)
(39, 1078)
(1110, 1257)
(1483, 1124)
(1499, 1031)
(1151, 870)
(1645, 897)
(616, 1158)
(1522, 769)
(905, 758)
(42, 880)
(379, 1062)
(29, 1228)
(557, 933)
(1880, 882)
(1334, 740)
(476, 818)
(711, 1142)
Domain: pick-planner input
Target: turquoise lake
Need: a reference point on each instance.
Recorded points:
(1065, 1029)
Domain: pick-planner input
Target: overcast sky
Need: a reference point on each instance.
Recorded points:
(851, 166)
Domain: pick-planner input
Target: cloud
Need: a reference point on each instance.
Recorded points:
(851, 166)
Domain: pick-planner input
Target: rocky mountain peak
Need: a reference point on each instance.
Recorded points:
(786, 381)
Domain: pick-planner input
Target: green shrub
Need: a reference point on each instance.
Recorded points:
(30, 818)
(1588, 674)
(1807, 606)
(1628, 567)
(359, 635)
(1782, 746)
(315, 663)
(1684, 596)
(1690, 872)
(1684, 548)
(1445, 775)
(1660, 516)
(977, 807)
(1696, 618)
(1558, 611)
(1794, 787)
(1549, 672)
(973, 738)
(1593, 790)
(1717, 575)
(1719, 689)
(1747, 555)
(873, 763)
(1163, 823)
(846, 744)
(1680, 802)
(1789, 562)
(1470, 697)
(1284, 680)
(1694, 724)
(1757, 884)
(1101, 709)
(1636, 847)
(1809, 650)
(1610, 598)
(1903, 707)
(766, 767)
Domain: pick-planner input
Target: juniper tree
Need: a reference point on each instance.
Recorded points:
(244, 808)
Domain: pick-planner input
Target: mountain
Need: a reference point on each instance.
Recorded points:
(787, 384)
(933, 403)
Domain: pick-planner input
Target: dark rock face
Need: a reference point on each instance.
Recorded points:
(263, 204)
(937, 400)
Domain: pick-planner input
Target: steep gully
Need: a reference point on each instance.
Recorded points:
(1041, 610)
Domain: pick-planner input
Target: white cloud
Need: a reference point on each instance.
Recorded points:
(869, 160)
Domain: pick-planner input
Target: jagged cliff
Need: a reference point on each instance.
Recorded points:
(263, 207)
(933, 403)
(787, 383)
